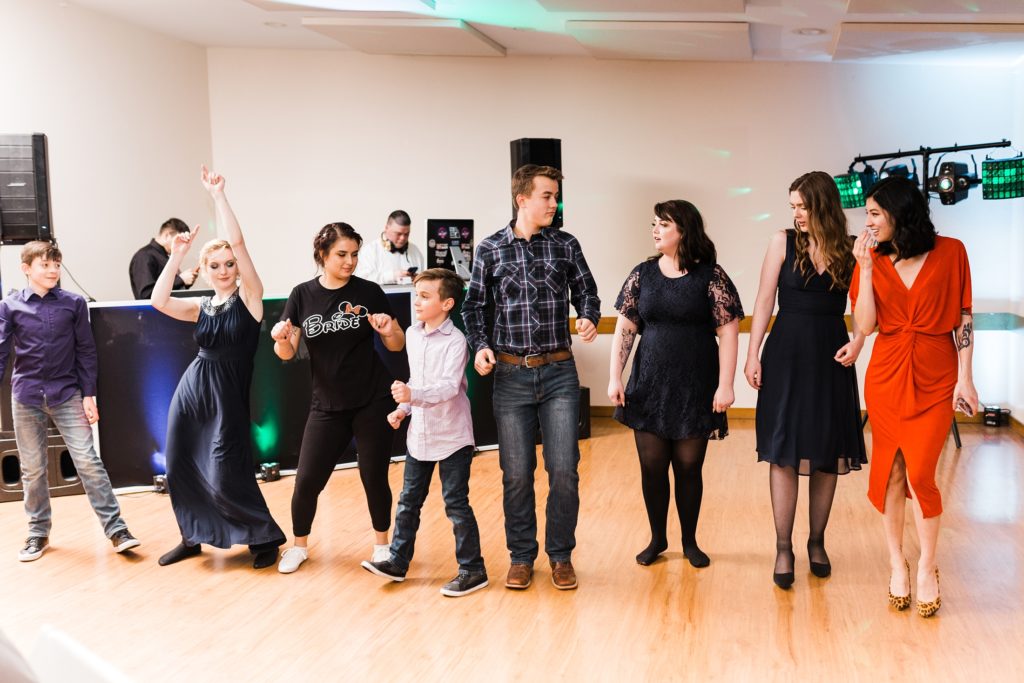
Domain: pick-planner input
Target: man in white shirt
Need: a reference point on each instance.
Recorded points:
(391, 258)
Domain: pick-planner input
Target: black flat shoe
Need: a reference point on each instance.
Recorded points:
(264, 559)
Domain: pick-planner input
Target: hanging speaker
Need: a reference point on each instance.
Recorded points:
(542, 152)
(24, 189)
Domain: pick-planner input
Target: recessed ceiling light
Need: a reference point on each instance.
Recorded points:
(274, 24)
(810, 31)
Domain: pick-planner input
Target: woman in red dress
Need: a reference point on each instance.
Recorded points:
(917, 287)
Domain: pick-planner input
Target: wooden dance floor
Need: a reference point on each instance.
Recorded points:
(214, 618)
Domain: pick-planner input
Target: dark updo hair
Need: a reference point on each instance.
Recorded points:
(913, 230)
(694, 245)
(328, 235)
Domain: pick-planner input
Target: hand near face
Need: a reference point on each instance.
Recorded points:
(863, 249)
(484, 361)
(401, 392)
(586, 330)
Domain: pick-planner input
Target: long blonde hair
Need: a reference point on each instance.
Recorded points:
(826, 225)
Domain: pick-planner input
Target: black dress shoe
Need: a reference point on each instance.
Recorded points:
(821, 569)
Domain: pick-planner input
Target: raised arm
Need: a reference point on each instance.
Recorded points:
(622, 344)
(774, 257)
(179, 309)
(864, 313)
(251, 290)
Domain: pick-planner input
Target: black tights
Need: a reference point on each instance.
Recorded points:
(686, 456)
(783, 482)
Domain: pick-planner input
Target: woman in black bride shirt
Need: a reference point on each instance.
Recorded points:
(338, 314)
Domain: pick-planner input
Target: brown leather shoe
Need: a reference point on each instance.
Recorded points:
(563, 576)
(520, 576)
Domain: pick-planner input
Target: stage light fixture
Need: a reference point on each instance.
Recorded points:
(1002, 178)
(854, 185)
(899, 171)
(953, 182)
(270, 471)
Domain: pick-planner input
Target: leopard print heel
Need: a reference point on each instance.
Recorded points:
(927, 609)
(902, 602)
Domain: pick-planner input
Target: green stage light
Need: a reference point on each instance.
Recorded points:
(853, 186)
(1002, 178)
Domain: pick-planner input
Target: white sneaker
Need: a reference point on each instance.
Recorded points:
(291, 559)
(381, 553)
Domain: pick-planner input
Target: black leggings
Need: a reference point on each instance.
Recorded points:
(327, 434)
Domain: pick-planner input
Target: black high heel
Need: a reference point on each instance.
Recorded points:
(820, 569)
(784, 580)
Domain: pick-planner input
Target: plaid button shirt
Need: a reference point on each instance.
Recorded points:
(531, 285)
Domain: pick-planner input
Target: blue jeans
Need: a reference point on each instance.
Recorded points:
(30, 424)
(454, 472)
(547, 397)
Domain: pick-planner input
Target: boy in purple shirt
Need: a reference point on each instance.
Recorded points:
(441, 432)
(54, 378)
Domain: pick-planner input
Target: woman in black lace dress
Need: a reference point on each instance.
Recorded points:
(686, 311)
(210, 471)
(808, 410)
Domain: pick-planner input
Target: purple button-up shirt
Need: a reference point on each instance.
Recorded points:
(55, 354)
(442, 422)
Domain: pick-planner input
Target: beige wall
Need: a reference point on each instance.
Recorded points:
(128, 122)
(309, 137)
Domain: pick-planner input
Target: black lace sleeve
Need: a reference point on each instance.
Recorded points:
(724, 299)
(628, 301)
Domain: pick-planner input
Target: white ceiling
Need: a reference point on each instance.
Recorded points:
(899, 31)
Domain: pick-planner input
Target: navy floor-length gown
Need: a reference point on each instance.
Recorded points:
(210, 467)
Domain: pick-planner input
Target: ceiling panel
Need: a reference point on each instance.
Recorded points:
(964, 43)
(935, 7)
(664, 40)
(682, 6)
(433, 37)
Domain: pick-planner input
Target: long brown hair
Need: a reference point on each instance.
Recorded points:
(826, 225)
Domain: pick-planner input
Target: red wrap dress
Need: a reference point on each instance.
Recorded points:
(913, 369)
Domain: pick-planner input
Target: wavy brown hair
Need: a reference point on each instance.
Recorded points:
(826, 225)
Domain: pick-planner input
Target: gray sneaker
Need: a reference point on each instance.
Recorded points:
(464, 584)
(34, 547)
(123, 540)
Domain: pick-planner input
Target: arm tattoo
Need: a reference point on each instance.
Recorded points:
(966, 333)
(628, 337)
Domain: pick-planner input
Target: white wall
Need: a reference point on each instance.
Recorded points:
(128, 122)
(309, 137)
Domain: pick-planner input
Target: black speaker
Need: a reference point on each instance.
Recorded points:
(60, 469)
(24, 189)
(543, 152)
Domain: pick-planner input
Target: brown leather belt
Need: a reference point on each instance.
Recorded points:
(533, 360)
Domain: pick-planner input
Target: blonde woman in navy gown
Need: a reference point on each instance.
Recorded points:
(210, 469)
